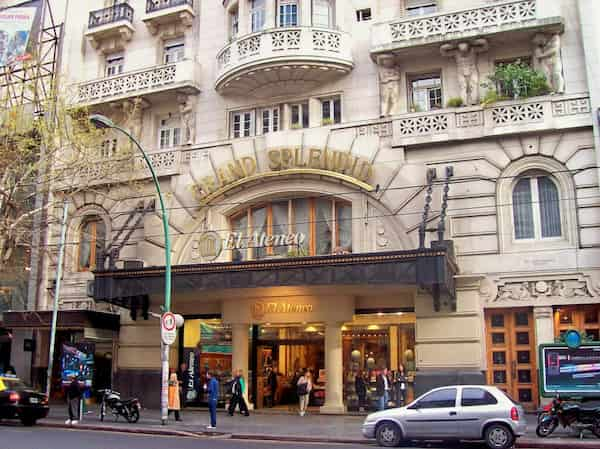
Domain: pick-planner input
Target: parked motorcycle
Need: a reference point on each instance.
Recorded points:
(568, 414)
(127, 408)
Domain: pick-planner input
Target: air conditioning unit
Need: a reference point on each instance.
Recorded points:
(133, 264)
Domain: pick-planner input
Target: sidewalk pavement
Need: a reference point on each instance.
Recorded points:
(279, 426)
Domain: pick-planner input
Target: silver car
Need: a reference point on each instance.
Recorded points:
(463, 412)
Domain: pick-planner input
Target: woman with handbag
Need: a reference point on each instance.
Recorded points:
(303, 387)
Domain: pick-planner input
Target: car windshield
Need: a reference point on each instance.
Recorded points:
(14, 384)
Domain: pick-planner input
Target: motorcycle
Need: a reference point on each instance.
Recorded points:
(568, 414)
(127, 408)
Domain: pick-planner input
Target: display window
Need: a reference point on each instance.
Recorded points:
(207, 346)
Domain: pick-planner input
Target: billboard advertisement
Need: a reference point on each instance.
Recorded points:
(570, 371)
(79, 362)
(17, 32)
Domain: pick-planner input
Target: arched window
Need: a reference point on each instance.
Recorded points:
(536, 207)
(92, 236)
(298, 227)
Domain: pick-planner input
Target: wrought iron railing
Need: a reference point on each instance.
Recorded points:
(115, 13)
(157, 5)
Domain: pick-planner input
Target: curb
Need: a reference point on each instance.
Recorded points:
(523, 443)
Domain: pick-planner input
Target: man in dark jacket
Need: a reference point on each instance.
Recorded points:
(361, 388)
(238, 387)
(74, 394)
(272, 383)
(212, 389)
(383, 388)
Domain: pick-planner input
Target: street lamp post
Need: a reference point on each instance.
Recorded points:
(102, 122)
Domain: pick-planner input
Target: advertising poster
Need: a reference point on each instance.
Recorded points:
(572, 371)
(78, 362)
(215, 339)
(16, 29)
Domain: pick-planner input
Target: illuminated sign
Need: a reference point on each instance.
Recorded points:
(259, 309)
(570, 371)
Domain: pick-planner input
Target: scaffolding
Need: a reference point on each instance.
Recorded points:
(33, 81)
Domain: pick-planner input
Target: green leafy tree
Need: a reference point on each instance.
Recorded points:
(515, 80)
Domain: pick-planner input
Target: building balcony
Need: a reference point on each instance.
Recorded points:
(154, 83)
(410, 35)
(114, 23)
(530, 115)
(168, 12)
(283, 60)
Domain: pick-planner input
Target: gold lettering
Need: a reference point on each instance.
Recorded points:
(365, 172)
(299, 158)
(207, 184)
(341, 162)
(314, 156)
(274, 159)
(236, 170)
(287, 158)
(249, 165)
(222, 176)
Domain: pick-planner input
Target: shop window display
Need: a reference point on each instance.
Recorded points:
(207, 347)
(367, 349)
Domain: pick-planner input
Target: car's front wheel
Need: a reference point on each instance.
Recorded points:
(498, 436)
(388, 434)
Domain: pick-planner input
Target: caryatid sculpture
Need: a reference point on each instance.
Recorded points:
(547, 59)
(186, 112)
(389, 85)
(465, 54)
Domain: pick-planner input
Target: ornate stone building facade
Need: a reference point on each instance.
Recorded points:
(327, 208)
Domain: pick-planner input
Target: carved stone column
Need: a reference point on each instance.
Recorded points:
(243, 17)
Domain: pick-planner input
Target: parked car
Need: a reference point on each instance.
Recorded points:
(18, 401)
(464, 412)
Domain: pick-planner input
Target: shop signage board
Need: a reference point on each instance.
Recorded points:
(16, 28)
(168, 328)
(571, 371)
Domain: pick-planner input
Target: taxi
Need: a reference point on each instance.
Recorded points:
(18, 401)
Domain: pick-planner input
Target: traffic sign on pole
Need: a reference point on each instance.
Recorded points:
(168, 328)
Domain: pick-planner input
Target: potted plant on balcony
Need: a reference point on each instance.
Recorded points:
(455, 102)
(296, 126)
(327, 122)
(513, 81)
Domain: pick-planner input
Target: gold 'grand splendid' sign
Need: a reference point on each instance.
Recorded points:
(279, 160)
(260, 308)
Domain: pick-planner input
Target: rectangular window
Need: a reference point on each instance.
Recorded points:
(108, 148)
(420, 7)
(257, 15)
(322, 13)
(242, 124)
(288, 13)
(234, 24)
(363, 15)
(114, 64)
(169, 133)
(331, 111)
(270, 120)
(174, 51)
(426, 93)
(299, 115)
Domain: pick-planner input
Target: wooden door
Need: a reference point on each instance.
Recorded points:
(511, 355)
(582, 318)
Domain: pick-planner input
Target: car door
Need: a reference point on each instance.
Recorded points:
(476, 406)
(433, 415)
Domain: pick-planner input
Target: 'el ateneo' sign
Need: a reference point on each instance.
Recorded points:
(285, 159)
(210, 245)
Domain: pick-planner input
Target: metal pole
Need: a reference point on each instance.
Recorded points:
(61, 254)
(164, 390)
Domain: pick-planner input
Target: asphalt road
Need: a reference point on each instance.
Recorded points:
(18, 437)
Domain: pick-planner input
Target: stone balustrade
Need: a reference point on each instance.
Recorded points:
(506, 117)
(326, 49)
(474, 22)
(183, 75)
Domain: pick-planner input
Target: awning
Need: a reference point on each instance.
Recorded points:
(66, 319)
(429, 268)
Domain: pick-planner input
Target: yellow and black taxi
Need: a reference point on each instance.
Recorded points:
(18, 401)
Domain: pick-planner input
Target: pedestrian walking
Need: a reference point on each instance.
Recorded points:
(212, 389)
(303, 387)
(400, 386)
(174, 392)
(74, 394)
(361, 389)
(238, 388)
(383, 388)
(272, 383)
(184, 379)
